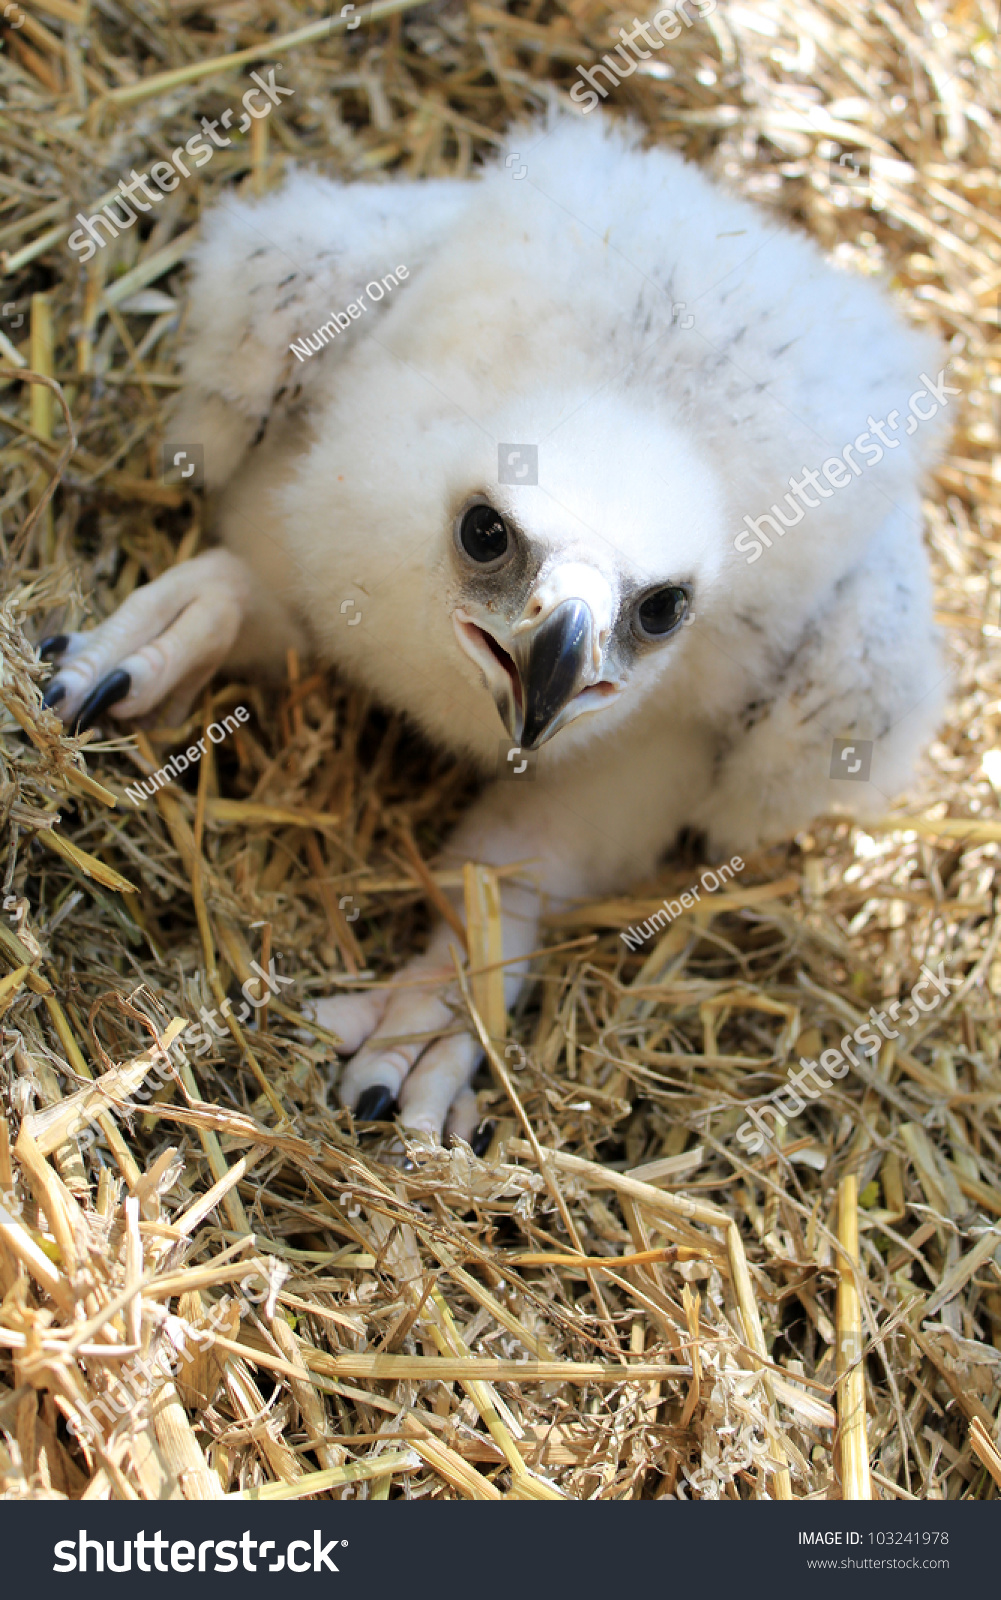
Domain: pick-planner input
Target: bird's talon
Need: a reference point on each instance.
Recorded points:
(109, 692)
(374, 1104)
(480, 1142)
(54, 645)
(53, 695)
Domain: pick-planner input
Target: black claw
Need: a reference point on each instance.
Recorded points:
(54, 645)
(52, 696)
(108, 693)
(374, 1103)
(480, 1142)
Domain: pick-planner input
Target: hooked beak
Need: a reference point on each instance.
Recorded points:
(554, 664)
(541, 678)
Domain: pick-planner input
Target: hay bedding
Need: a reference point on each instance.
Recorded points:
(617, 1302)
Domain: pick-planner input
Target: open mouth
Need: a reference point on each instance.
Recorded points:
(499, 654)
(509, 690)
(483, 648)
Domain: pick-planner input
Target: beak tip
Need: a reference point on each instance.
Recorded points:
(533, 734)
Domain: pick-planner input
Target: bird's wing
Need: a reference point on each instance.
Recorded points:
(268, 273)
(844, 713)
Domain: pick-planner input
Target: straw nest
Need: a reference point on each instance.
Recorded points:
(220, 1289)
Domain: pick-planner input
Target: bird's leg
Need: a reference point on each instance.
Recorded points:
(165, 641)
(410, 1043)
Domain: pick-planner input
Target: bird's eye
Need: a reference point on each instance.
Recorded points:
(661, 611)
(483, 535)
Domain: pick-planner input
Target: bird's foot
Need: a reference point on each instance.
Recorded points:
(409, 1052)
(166, 640)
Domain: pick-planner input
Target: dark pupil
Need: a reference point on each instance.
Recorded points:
(662, 610)
(483, 534)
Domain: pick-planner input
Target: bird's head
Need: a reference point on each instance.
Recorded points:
(576, 563)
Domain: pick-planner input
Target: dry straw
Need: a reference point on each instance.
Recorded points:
(615, 1303)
